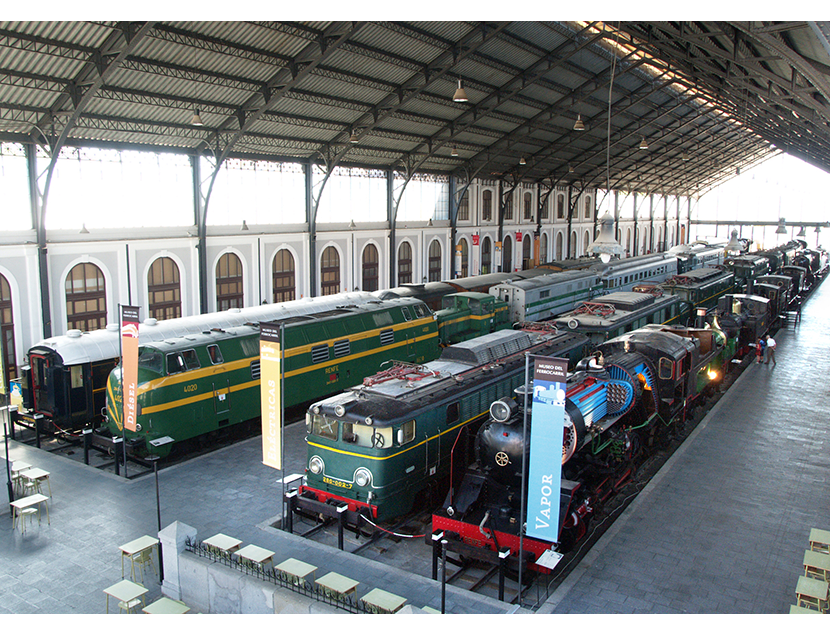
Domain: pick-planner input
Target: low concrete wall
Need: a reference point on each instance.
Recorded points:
(213, 587)
(207, 586)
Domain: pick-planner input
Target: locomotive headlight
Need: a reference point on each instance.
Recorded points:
(362, 477)
(316, 465)
(339, 410)
(713, 374)
(502, 410)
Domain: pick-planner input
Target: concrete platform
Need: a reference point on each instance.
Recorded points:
(723, 526)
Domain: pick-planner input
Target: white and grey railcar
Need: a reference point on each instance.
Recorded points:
(543, 297)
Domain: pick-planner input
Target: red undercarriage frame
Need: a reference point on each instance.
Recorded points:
(327, 497)
(470, 534)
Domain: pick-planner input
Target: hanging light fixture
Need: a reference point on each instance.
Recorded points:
(84, 230)
(522, 161)
(606, 244)
(802, 233)
(579, 124)
(353, 138)
(685, 156)
(196, 120)
(454, 152)
(244, 227)
(782, 227)
(733, 247)
(460, 95)
(643, 144)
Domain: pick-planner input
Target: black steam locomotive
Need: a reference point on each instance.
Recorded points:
(619, 408)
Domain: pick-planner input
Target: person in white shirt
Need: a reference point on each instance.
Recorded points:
(770, 350)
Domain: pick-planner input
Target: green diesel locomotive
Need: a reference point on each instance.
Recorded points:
(199, 383)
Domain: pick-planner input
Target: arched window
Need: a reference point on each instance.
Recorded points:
(628, 242)
(163, 290)
(586, 242)
(405, 263)
(560, 206)
(486, 255)
(543, 214)
(465, 258)
(434, 262)
(508, 208)
(330, 271)
(543, 248)
(487, 205)
(645, 241)
(589, 211)
(559, 246)
(527, 252)
(370, 268)
(573, 245)
(528, 206)
(229, 289)
(284, 287)
(7, 329)
(86, 298)
(507, 254)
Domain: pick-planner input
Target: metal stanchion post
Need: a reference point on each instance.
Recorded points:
(116, 441)
(502, 569)
(154, 459)
(289, 498)
(443, 576)
(436, 549)
(341, 512)
(87, 444)
(38, 419)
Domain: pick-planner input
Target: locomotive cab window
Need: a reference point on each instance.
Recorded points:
(324, 427)
(406, 314)
(406, 432)
(175, 363)
(215, 354)
(151, 359)
(191, 361)
(666, 366)
(366, 436)
(453, 412)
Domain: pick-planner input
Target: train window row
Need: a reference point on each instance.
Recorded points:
(182, 361)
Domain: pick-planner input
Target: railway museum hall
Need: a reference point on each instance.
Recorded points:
(415, 205)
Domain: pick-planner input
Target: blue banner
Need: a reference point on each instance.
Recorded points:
(546, 431)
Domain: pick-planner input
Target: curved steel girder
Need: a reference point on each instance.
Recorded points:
(280, 83)
(591, 85)
(436, 69)
(717, 81)
(529, 76)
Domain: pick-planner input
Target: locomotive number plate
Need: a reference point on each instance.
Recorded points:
(336, 483)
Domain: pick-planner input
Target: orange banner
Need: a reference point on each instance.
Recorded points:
(270, 377)
(129, 365)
